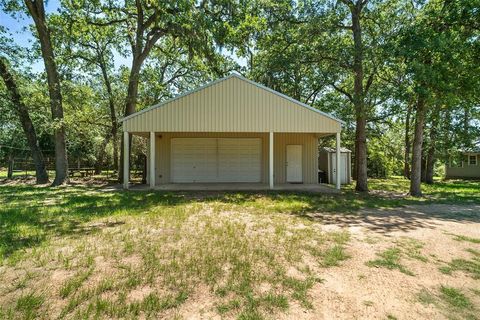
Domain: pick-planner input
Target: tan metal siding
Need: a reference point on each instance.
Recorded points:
(232, 105)
(309, 144)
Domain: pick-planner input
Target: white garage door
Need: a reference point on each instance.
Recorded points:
(216, 160)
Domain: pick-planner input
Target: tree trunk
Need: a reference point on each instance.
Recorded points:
(146, 35)
(113, 115)
(144, 173)
(22, 111)
(37, 11)
(406, 168)
(10, 166)
(415, 180)
(423, 166)
(358, 100)
(430, 165)
(130, 102)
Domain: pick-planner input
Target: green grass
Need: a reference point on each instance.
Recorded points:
(231, 305)
(468, 266)
(105, 246)
(231, 243)
(467, 239)
(453, 303)
(29, 304)
(455, 297)
(411, 248)
(334, 256)
(426, 297)
(390, 259)
(72, 285)
(471, 267)
(474, 252)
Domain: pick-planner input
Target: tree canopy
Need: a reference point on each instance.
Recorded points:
(403, 75)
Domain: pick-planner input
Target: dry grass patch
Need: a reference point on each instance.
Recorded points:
(404, 248)
(454, 303)
(254, 263)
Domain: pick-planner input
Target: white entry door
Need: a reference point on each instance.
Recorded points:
(216, 160)
(294, 163)
(343, 168)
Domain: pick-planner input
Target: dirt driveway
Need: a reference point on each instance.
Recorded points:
(437, 248)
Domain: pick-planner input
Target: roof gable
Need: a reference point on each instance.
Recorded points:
(230, 99)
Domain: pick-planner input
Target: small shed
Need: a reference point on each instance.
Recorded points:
(327, 163)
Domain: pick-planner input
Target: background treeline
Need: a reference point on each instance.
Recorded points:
(404, 75)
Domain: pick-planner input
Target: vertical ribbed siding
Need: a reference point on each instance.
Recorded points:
(309, 144)
(232, 105)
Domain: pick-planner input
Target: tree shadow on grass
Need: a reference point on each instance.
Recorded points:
(30, 215)
(408, 218)
(381, 214)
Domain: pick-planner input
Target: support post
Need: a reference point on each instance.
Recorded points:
(270, 161)
(152, 160)
(338, 180)
(126, 159)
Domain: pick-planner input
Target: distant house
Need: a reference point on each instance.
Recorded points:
(232, 130)
(468, 168)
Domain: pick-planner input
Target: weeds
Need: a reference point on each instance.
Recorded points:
(390, 259)
(471, 267)
(455, 297)
(29, 304)
(465, 238)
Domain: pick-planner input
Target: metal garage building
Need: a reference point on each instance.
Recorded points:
(232, 130)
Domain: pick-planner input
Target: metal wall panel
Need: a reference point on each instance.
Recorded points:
(309, 144)
(231, 105)
(308, 141)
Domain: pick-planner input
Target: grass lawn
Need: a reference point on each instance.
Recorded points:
(83, 252)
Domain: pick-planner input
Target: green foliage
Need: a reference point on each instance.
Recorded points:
(29, 304)
(390, 259)
(455, 297)
(465, 238)
(302, 49)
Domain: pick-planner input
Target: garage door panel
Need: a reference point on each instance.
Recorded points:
(193, 160)
(239, 160)
(216, 160)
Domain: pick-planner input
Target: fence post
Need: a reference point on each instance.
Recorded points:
(10, 166)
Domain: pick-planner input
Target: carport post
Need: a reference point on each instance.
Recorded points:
(337, 184)
(270, 161)
(126, 159)
(152, 160)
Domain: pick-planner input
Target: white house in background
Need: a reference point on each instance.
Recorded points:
(232, 130)
(468, 169)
